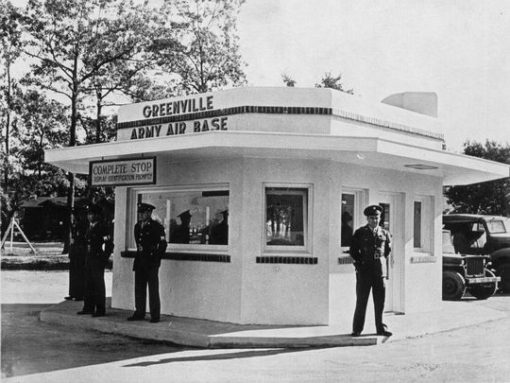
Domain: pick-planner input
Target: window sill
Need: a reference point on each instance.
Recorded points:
(345, 260)
(423, 258)
(185, 256)
(288, 259)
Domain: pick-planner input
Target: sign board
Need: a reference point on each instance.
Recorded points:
(129, 171)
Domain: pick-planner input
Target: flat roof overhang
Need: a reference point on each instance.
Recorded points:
(453, 168)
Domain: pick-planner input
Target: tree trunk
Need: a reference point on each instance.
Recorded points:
(98, 116)
(7, 123)
(72, 142)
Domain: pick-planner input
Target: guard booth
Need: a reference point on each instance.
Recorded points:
(268, 184)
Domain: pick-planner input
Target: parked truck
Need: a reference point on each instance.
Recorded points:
(474, 234)
(466, 273)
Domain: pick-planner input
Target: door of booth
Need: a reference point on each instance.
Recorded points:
(392, 219)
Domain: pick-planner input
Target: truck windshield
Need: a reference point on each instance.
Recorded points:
(447, 243)
(499, 226)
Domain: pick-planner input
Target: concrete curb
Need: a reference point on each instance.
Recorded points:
(210, 334)
(203, 333)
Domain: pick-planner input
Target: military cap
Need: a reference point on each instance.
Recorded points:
(372, 210)
(185, 215)
(224, 213)
(143, 206)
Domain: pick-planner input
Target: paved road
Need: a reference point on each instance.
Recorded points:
(30, 346)
(475, 354)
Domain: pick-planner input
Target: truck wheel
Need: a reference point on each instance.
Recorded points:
(484, 290)
(453, 286)
(504, 273)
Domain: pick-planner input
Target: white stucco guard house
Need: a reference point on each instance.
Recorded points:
(275, 180)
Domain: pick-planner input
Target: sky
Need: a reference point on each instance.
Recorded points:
(459, 49)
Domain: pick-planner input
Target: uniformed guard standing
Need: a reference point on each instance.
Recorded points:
(151, 245)
(99, 249)
(370, 245)
(78, 254)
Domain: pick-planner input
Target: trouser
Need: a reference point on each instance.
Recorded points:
(367, 280)
(95, 291)
(77, 272)
(143, 277)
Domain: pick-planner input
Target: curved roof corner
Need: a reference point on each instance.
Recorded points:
(419, 102)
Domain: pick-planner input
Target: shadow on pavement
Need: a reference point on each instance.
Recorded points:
(224, 356)
(30, 346)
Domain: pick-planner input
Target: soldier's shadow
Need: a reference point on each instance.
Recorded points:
(222, 356)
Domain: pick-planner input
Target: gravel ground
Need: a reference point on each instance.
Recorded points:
(48, 257)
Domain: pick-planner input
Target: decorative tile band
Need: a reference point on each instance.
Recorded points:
(280, 110)
(423, 259)
(345, 261)
(225, 112)
(288, 260)
(198, 257)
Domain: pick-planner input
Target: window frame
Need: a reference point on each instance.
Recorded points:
(133, 195)
(421, 231)
(426, 223)
(360, 200)
(306, 248)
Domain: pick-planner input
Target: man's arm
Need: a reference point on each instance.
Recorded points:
(354, 250)
(387, 244)
(162, 244)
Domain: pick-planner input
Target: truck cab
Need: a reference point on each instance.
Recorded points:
(475, 234)
(466, 273)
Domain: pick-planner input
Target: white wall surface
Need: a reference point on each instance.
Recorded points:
(246, 292)
(208, 290)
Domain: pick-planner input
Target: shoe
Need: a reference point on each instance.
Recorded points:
(135, 317)
(355, 333)
(77, 299)
(84, 312)
(154, 320)
(68, 298)
(384, 333)
(98, 314)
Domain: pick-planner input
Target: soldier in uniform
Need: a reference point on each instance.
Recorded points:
(370, 245)
(180, 233)
(99, 248)
(219, 232)
(151, 245)
(78, 254)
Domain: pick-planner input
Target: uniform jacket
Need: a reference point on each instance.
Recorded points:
(151, 244)
(369, 246)
(99, 244)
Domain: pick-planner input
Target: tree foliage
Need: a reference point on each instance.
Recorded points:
(10, 50)
(76, 43)
(333, 82)
(327, 81)
(288, 80)
(85, 53)
(199, 44)
(491, 197)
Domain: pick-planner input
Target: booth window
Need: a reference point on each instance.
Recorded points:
(347, 219)
(286, 216)
(423, 224)
(353, 201)
(194, 217)
(417, 224)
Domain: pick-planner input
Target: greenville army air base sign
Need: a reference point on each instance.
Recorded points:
(129, 171)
